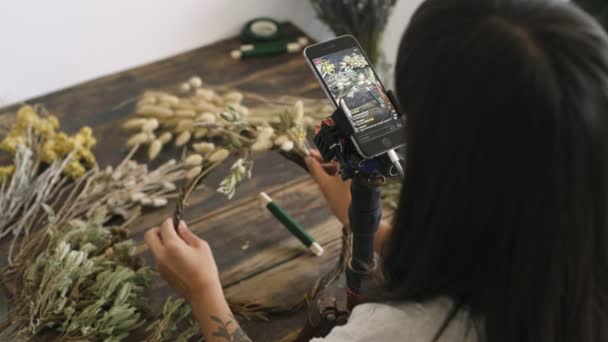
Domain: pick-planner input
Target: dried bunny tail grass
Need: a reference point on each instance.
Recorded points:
(155, 147)
(218, 156)
(165, 137)
(140, 138)
(204, 147)
(298, 111)
(134, 123)
(194, 160)
(183, 138)
(206, 118)
(233, 97)
(150, 125)
(185, 88)
(200, 132)
(193, 172)
(185, 113)
(154, 110)
(185, 125)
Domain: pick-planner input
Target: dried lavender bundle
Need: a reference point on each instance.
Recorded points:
(83, 285)
(364, 19)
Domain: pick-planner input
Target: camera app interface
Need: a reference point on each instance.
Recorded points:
(349, 77)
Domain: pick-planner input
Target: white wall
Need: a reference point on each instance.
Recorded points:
(49, 45)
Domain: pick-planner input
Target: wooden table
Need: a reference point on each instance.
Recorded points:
(276, 268)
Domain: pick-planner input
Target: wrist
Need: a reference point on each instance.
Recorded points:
(204, 288)
(207, 299)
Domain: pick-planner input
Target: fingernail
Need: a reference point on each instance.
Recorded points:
(182, 224)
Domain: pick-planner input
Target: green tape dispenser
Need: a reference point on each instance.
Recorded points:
(265, 36)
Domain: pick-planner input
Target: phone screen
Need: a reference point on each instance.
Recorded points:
(350, 78)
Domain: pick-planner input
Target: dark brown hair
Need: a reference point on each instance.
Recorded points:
(504, 205)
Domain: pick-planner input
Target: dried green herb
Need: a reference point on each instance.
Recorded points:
(176, 316)
(82, 286)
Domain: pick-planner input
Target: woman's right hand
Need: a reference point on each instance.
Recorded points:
(334, 189)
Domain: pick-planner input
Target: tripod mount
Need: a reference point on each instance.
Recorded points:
(365, 212)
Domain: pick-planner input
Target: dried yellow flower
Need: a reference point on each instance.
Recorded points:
(6, 172)
(54, 145)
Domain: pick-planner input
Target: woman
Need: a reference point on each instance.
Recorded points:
(502, 230)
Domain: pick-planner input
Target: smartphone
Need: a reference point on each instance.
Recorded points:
(351, 83)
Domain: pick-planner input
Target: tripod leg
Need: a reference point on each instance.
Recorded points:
(365, 213)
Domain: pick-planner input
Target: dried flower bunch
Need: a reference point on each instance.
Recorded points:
(210, 126)
(41, 155)
(364, 19)
(83, 285)
(32, 129)
(120, 191)
(72, 277)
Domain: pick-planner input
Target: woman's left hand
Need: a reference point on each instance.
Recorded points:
(183, 259)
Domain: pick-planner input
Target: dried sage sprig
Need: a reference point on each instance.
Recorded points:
(176, 313)
(83, 285)
(240, 170)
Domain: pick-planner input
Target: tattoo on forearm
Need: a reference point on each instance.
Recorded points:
(223, 332)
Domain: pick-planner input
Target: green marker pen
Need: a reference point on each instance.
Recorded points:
(291, 225)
